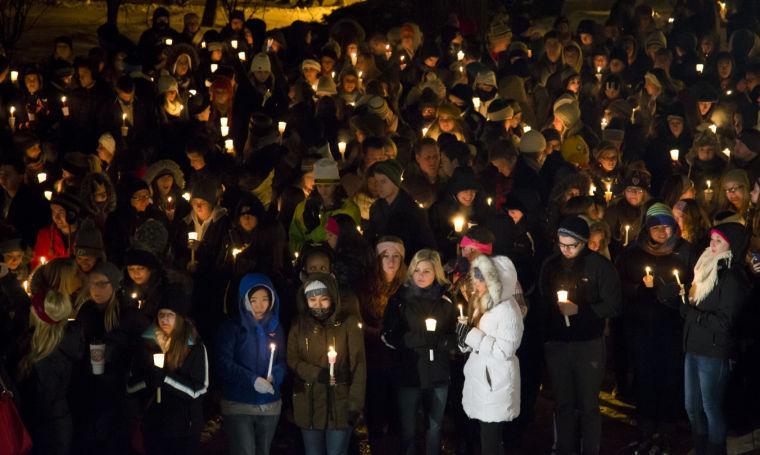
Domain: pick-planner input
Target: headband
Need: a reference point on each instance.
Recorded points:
(395, 246)
(721, 234)
(485, 248)
(38, 304)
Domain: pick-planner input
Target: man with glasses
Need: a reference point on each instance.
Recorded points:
(573, 325)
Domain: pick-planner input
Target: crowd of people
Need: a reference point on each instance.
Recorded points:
(340, 225)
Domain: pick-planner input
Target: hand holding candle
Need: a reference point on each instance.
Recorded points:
(708, 192)
(648, 277)
(680, 285)
(562, 298)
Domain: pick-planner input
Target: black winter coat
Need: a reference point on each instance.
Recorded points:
(592, 283)
(404, 329)
(28, 212)
(404, 219)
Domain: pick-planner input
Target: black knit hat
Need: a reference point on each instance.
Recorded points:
(108, 270)
(637, 178)
(736, 236)
(175, 299)
(133, 185)
(205, 189)
(138, 256)
(89, 242)
(153, 237)
(463, 179)
(70, 202)
(389, 168)
(575, 227)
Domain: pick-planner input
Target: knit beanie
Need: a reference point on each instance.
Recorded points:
(750, 138)
(107, 141)
(499, 110)
(532, 142)
(637, 178)
(174, 299)
(76, 163)
(389, 168)
(659, 214)
(12, 243)
(89, 241)
(70, 202)
(574, 227)
(390, 245)
(108, 270)
(485, 78)
(735, 234)
(378, 106)
(311, 64)
(550, 134)
(165, 84)
(463, 179)
(205, 189)
(261, 62)
(152, 236)
(569, 114)
(139, 256)
(315, 288)
(326, 86)
(326, 171)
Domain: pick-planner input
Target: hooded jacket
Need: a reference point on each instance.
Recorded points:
(316, 404)
(243, 347)
(492, 373)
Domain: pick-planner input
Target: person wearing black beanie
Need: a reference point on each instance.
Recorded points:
(169, 375)
(578, 290)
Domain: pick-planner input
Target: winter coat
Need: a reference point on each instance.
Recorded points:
(179, 413)
(592, 283)
(14, 319)
(708, 327)
(405, 331)
(402, 218)
(491, 390)
(443, 212)
(51, 244)
(316, 404)
(28, 212)
(243, 347)
(300, 234)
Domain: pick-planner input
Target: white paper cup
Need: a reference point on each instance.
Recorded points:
(98, 358)
(430, 324)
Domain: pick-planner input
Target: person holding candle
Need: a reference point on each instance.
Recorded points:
(607, 168)
(491, 334)
(627, 211)
(651, 322)
(575, 356)
(707, 163)
(719, 290)
(326, 407)
(57, 239)
(50, 355)
(422, 361)
(141, 286)
(167, 183)
(251, 403)
(174, 425)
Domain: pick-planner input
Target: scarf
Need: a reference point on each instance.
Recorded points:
(706, 274)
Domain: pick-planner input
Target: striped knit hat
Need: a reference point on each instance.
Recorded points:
(659, 214)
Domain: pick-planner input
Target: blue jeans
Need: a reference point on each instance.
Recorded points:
(705, 381)
(408, 400)
(250, 434)
(330, 442)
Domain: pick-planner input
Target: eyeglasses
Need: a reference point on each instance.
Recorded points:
(568, 246)
(140, 198)
(734, 189)
(634, 190)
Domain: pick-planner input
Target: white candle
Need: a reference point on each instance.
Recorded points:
(64, 107)
(223, 121)
(674, 154)
(214, 67)
(225, 130)
(489, 201)
(124, 127)
(203, 45)
(476, 103)
(281, 127)
(41, 177)
(342, 150)
(604, 122)
(43, 260)
(158, 361)
(430, 324)
(726, 151)
(592, 190)
(678, 277)
(354, 57)
(332, 356)
(272, 348)
(562, 298)
(648, 270)
(229, 145)
(14, 76)
(186, 196)
(627, 229)
(670, 20)
(460, 56)
(48, 195)
(633, 114)
(12, 119)
(700, 68)
(526, 128)
(241, 56)
(192, 236)
(713, 127)
(458, 222)
(425, 130)
(169, 41)
(235, 252)
(234, 44)
(192, 92)
(461, 311)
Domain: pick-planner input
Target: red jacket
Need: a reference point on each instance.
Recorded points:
(50, 244)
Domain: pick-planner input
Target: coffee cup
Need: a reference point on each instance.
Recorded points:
(98, 358)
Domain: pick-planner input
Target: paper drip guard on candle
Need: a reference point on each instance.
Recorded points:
(562, 298)
(158, 362)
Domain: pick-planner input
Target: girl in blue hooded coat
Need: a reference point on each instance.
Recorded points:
(251, 403)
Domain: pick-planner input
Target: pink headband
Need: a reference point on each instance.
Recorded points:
(723, 236)
(484, 248)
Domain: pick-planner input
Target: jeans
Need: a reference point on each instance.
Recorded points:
(658, 396)
(408, 400)
(330, 442)
(705, 381)
(576, 370)
(250, 434)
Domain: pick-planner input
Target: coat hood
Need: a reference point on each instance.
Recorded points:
(164, 167)
(87, 190)
(332, 288)
(247, 283)
(500, 276)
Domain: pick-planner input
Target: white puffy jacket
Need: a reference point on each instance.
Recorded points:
(492, 373)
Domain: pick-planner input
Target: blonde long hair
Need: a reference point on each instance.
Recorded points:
(432, 257)
(60, 274)
(46, 336)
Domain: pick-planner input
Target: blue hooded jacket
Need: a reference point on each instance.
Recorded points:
(242, 347)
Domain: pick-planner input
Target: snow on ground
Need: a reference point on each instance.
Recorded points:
(80, 20)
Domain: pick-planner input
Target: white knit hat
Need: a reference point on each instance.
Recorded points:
(107, 142)
(261, 62)
(326, 171)
(315, 288)
(532, 142)
(311, 64)
(326, 86)
(485, 78)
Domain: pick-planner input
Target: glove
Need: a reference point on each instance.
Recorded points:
(155, 376)
(324, 376)
(311, 214)
(261, 385)
(462, 331)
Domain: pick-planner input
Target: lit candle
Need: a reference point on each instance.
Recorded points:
(158, 361)
(41, 177)
(648, 270)
(526, 128)
(726, 151)
(203, 45)
(48, 195)
(713, 127)
(728, 92)
(458, 222)
(225, 129)
(223, 121)
(425, 130)
(12, 118)
(235, 252)
(186, 196)
(14, 76)
(599, 74)
(192, 236)
(124, 127)
(360, 325)
(241, 56)
(214, 67)
(354, 57)
(421, 205)
(700, 68)
(627, 229)
(489, 201)
(270, 43)
(604, 122)
(670, 20)
(678, 277)
(234, 44)
(192, 92)
(169, 41)
(708, 192)
(460, 56)
(562, 298)
(281, 127)
(272, 348)
(43, 260)
(25, 285)
(229, 146)
(430, 324)
(476, 103)
(633, 114)
(342, 150)
(592, 190)
(332, 356)
(608, 193)
(674, 154)
(64, 107)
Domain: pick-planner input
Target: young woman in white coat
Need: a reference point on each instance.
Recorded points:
(491, 334)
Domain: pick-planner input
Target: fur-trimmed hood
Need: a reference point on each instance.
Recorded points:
(500, 276)
(161, 168)
(87, 190)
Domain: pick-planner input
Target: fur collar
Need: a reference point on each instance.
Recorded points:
(706, 274)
